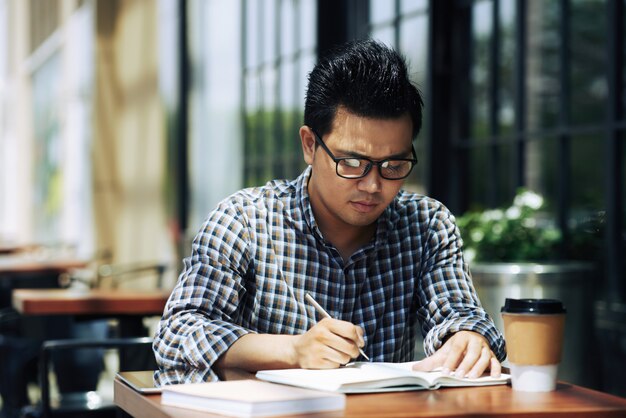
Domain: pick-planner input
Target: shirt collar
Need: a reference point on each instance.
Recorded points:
(384, 221)
(304, 200)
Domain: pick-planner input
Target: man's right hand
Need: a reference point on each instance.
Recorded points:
(328, 345)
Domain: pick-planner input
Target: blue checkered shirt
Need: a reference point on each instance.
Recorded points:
(261, 250)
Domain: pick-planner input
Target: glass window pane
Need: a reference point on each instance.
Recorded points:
(288, 106)
(268, 88)
(587, 197)
(287, 36)
(385, 35)
(287, 85)
(478, 183)
(382, 11)
(482, 28)
(542, 64)
(588, 67)
(506, 112)
(542, 168)
(252, 92)
(408, 6)
(504, 176)
(269, 30)
(491, 182)
(252, 37)
(414, 46)
(306, 65)
(308, 19)
(586, 176)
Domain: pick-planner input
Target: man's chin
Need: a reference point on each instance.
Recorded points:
(362, 220)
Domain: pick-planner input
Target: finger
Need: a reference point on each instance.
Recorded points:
(454, 356)
(430, 363)
(496, 367)
(343, 328)
(473, 353)
(319, 347)
(352, 334)
(318, 355)
(360, 333)
(328, 336)
(337, 358)
(482, 364)
(323, 363)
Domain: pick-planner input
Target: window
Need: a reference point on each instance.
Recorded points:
(546, 112)
(279, 49)
(404, 25)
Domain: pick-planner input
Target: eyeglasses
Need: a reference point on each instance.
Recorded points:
(355, 168)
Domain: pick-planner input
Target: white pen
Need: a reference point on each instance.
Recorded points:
(326, 315)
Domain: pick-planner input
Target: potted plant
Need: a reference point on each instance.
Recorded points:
(518, 252)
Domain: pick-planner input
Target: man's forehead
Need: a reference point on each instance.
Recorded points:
(344, 117)
(348, 126)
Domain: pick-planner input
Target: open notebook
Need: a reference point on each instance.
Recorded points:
(362, 377)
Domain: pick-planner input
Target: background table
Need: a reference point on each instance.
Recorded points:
(28, 271)
(96, 302)
(20, 264)
(12, 248)
(496, 401)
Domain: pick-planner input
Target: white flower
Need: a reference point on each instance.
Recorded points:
(529, 223)
(528, 199)
(513, 212)
(492, 215)
(477, 235)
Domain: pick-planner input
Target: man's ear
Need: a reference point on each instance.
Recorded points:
(307, 139)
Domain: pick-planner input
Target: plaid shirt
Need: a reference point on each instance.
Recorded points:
(260, 251)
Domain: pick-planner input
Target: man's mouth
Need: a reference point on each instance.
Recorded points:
(363, 206)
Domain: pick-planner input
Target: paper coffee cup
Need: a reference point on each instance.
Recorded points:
(533, 329)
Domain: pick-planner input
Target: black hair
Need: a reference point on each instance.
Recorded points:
(368, 79)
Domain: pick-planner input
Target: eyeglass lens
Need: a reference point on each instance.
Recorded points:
(389, 169)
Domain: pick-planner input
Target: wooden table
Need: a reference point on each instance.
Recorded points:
(52, 314)
(98, 302)
(33, 272)
(27, 264)
(11, 248)
(496, 401)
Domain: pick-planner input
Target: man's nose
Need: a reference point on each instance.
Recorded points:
(372, 181)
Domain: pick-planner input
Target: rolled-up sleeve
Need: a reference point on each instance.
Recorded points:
(448, 301)
(200, 317)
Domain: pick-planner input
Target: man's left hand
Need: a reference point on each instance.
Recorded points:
(465, 353)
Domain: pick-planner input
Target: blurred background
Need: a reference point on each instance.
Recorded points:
(124, 122)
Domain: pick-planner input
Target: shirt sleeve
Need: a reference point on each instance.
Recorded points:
(448, 301)
(200, 319)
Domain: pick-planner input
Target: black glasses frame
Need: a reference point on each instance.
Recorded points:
(370, 163)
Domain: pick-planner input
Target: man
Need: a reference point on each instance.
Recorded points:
(378, 259)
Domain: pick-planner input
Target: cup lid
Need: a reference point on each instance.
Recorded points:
(535, 306)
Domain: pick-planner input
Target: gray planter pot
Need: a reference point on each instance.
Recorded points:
(568, 282)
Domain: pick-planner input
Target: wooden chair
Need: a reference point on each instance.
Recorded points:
(114, 274)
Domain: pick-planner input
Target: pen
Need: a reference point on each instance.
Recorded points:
(326, 315)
